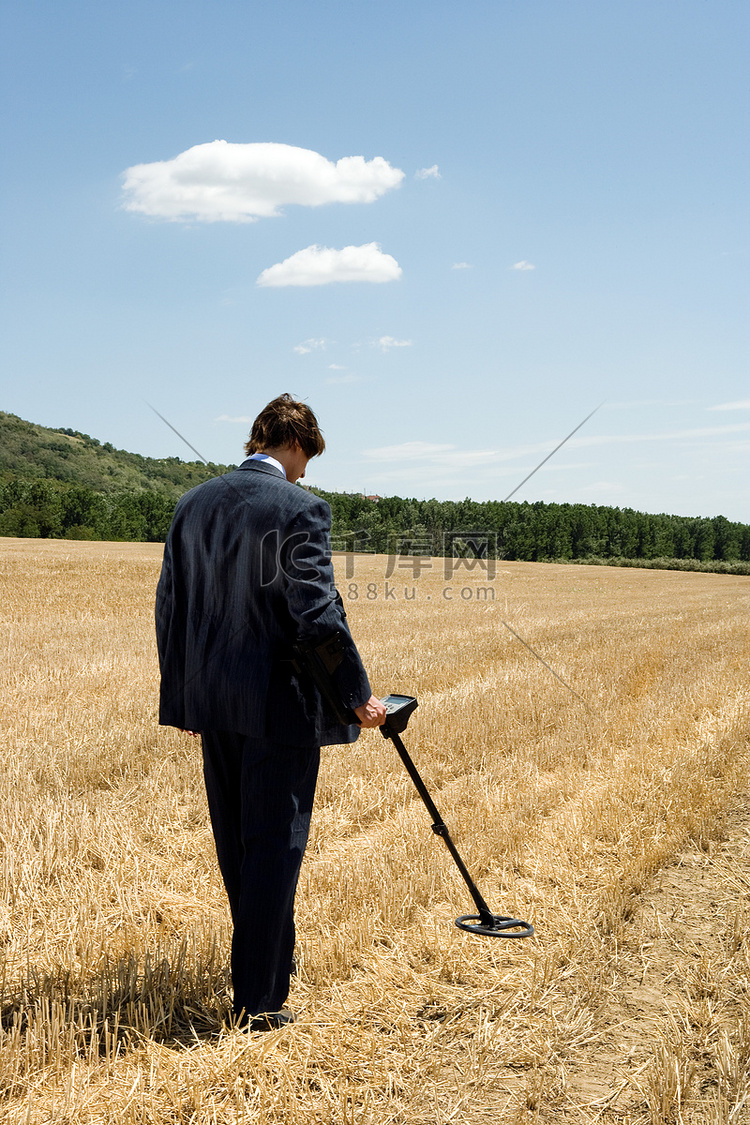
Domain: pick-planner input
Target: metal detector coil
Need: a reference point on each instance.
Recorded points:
(399, 708)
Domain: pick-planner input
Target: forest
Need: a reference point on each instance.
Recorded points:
(535, 532)
(64, 484)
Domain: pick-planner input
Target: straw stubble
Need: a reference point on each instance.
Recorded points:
(620, 829)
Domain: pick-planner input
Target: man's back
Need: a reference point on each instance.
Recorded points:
(246, 573)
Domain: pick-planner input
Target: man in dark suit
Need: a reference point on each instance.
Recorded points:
(247, 575)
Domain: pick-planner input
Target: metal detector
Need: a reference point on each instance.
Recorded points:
(399, 708)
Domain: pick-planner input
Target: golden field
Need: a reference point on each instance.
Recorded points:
(616, 819)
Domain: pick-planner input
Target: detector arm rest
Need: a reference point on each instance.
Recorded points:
(319, 660)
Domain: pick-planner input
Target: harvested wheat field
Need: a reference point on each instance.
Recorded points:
(615, 819)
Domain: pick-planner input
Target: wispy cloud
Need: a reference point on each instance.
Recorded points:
(224, 182)
(638, 403)
(450, 454)
(385, 343)
(462, 266)
(742, 404)
(245, 419)
(673, 435)
(408, 451)
(602, 488)
(522, 266)
(309, 345)
(433, 453)
(336, 367)
(320, 265)
(431, 173)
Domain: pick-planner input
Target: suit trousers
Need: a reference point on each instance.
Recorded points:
(260, 797)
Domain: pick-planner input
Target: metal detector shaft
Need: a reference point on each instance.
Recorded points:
(440, 828)
(398, 709)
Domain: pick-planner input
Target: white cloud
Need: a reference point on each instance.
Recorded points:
(426, 451)
(638, 403)
(336, 367)
(224, 182)
(450, 455)
(319, 265)
(239, 418)
(407, 451)
(602, 488)
(674, 435)
(465, 458)
(743, 404)
(309, 345)
(462, 266)
(522, 266)
(385, 343)
(431, 173)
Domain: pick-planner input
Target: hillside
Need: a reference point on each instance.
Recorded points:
(32, 452)
(62, 484)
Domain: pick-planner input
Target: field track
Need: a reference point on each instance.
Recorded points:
(612, 812)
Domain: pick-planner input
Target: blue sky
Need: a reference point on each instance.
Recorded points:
(453, 229)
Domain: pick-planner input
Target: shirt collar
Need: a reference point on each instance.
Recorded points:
(269, 459)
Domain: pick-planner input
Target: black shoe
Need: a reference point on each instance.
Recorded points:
(264, 1022)
(270, 1020)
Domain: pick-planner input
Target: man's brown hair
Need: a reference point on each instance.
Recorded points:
(286, 422)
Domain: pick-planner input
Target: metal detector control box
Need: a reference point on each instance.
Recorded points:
(399, 709)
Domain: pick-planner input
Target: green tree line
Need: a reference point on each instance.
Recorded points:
(537, 532)
(46, 509)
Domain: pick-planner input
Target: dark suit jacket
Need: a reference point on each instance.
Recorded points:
(247, 572)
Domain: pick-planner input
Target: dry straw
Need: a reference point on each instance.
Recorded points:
(621, 832)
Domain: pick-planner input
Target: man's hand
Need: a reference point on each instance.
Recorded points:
(372, 713)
